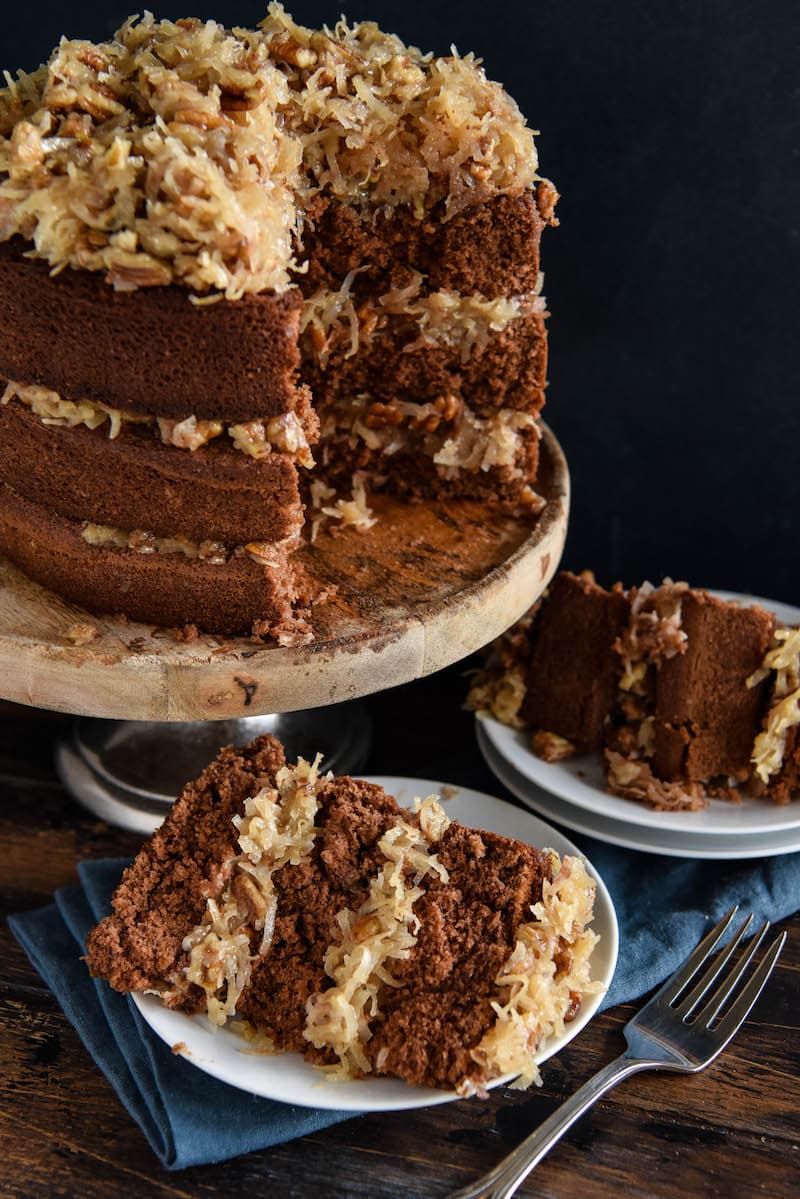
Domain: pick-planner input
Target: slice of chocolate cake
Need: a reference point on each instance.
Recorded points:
(374, 940)
(689, 695)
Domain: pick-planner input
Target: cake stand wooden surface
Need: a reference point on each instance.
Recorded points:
(426, 586)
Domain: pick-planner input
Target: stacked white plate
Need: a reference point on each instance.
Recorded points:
(573, 793)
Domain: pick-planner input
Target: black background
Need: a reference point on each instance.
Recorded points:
(672, 133)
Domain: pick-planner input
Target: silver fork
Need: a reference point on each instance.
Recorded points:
(671, 1032)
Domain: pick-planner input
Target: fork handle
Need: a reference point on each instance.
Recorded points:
(503, 1181)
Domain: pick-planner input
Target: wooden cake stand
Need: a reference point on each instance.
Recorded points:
(430, 583)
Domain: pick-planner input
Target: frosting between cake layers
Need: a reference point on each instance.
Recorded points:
(464, 322)
(211, 553)
(256, 438)
(445, 430)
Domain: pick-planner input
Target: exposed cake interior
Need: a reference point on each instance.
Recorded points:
(325, 920)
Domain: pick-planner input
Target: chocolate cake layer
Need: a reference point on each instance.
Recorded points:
(157, 588)
(508, 372)
(706, 717)
(164, 890)
(149, 350)
(134, 481)
(573, 671)
(491, 249)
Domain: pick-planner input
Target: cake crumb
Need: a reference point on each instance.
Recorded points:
(188, 634)
(82, 634)
(181, 1047)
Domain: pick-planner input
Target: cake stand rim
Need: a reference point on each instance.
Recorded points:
(38, 673)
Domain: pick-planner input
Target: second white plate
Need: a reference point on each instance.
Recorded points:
(289, 1078)
(581, 780)
(679, 843)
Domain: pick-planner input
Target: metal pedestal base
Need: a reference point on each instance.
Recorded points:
(129, 772)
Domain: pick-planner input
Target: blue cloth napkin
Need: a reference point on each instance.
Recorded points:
(664, 905)
(188, 1117)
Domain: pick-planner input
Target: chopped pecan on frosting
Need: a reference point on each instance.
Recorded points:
(189, 433)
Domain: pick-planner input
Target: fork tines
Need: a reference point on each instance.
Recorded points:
(676, 995)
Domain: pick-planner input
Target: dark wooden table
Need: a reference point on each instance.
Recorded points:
(731, 1131)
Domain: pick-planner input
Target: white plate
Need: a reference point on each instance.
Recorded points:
(581, 780)
(680, 844)
(289, 1078)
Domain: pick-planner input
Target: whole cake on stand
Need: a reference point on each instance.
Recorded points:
(273, 351)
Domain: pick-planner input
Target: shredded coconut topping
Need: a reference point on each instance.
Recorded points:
(181, 152)
(330, 318)
(354, 511)
(158, 157)
(634, 779)
(783, 658)
(543, 980)
(382, 930)
(381, 121)
(276, 829)
(654, 632)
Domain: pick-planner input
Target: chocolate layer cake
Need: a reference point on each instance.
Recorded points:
(330, 922)
(246, 271)
(688, 695)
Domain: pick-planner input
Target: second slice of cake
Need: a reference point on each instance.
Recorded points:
(374, 940)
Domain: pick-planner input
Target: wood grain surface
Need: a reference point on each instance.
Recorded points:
(730, 1131)
(428, 584)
